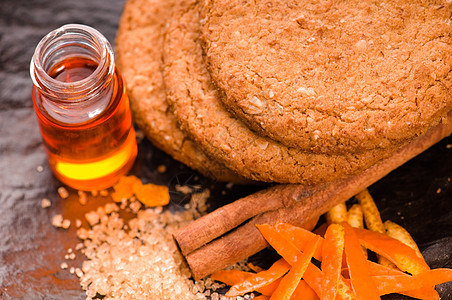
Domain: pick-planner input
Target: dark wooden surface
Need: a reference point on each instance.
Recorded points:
(418, 195)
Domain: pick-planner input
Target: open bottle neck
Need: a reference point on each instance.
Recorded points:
(85, 94)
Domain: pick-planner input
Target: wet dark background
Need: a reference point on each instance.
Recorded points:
(418, 195)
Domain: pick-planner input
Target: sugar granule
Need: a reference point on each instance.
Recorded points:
(139, 259)
(45, 203)
(57, 220)
(92, 217)
(135, 206)
(78, 272)
(141, 263)
(111, 207)
(66, 224)
(62, 191)
(82, 197)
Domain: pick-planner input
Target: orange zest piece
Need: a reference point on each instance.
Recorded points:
(291, 280)
(332, 252)
(404, 257)
(152, 195)
(361, 281)
(124, 188)
(258, 280)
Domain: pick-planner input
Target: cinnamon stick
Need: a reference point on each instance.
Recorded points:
(298, 204)
(229, 216)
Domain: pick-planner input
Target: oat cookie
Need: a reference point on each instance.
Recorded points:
(139, 46)
(332, 76)
(197, 107)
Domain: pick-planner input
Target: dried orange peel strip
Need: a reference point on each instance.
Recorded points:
(299, 237)
(399, 233)
(337, 214)
(420, 293)
(230, 277)
(291, 254)
(258, 280)
(404, 257)
(332, 251)
(233, 277)
(361, 280)
(304, 291)
(399, 283)
(304, 280)
(291, 280)
(373, 219)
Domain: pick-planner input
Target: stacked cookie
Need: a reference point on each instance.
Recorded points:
(285, 91)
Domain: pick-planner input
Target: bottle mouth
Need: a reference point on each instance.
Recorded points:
(71, 41)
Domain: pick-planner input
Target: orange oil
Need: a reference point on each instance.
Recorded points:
(93, 154)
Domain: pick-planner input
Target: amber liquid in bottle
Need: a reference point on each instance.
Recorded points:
(91, 154)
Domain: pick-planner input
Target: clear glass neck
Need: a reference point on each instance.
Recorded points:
(63, 98)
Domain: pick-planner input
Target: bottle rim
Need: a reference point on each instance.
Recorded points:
(94, 40)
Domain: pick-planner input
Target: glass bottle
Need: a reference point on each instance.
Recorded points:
(82, 108)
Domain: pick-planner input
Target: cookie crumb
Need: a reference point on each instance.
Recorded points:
(45, 203)
(64, 265)
(103, 193)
